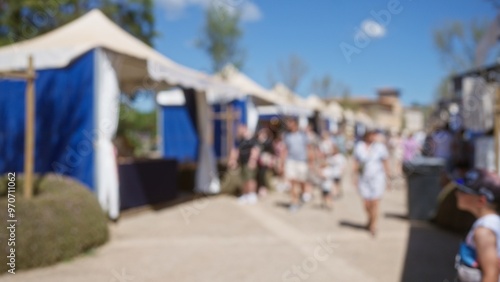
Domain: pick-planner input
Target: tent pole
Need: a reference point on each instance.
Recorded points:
(497, 129)
(229, 129)
(29, 131)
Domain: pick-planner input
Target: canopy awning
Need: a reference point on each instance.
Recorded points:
(247, 86)
(138, 66)
(333, 110)
(315, 103)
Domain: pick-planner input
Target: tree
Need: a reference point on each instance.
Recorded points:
(326, 87)
(323, 86)
(346, 102)
(292, 71)
(25, 19)
(456, 43)
(221, 36)
(494, 3)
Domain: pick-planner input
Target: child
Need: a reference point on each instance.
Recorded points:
(479, 256)
(332, 174)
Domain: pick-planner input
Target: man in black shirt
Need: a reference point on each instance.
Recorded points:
(245, 155)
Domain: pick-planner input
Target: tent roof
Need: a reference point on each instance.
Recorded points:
(315, 103)
(288, 96)
(59, 47)
(333, 109)
(235, 78)
(348, 115)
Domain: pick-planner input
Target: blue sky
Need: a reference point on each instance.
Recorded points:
(400, 54)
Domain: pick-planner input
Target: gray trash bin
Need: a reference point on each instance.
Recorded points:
(423, 175)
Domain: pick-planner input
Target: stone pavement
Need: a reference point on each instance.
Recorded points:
(215, 239)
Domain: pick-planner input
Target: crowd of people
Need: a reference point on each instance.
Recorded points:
(305, 160)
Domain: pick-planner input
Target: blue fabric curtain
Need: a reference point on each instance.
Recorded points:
(64, 121)
(180, 134)
(239, 106)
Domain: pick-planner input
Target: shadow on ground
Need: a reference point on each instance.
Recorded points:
(397, 216)
(430, 254)
(354, 225)
(282, 204)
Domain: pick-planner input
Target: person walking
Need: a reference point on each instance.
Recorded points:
(245, 156)
(478, 259)
(331, 173)
(410, 148)
(371, 170)
(266, 161)
(296, 159)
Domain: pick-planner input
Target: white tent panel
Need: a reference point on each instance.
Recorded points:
(315, 103)
(333, 110)
(106, 97)
(173, 97)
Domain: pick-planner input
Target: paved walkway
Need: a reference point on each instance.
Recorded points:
(215, 239)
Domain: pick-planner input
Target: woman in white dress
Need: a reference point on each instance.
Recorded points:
(371, 167)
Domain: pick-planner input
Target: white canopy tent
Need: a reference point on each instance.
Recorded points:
(122, 63)
(334, 110)
(333, 113)
(245, 85)
(138, 65)
(315, 103)
(290, 103)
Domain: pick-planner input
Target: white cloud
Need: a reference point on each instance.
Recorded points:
(370, 28)
(250, 12)
(174, 9)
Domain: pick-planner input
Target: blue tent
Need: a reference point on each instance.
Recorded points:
(178, 123)
(64, 121)
(178, 126)
(240, 108)
(81, 70)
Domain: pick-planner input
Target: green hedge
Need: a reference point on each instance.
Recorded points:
(62, 220)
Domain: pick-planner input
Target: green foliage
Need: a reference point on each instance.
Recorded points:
(220, 38)
(61, 221)
(25, 19)
(131, 125)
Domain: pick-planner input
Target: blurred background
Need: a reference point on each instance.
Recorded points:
(123, 126)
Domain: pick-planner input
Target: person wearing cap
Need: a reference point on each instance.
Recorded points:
(479, 256)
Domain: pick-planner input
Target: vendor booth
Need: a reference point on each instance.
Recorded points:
(81, 70)
(229, 110)
(479, 94)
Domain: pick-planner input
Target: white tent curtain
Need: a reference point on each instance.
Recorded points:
(207, 177)
(252, 116)
(106, 103)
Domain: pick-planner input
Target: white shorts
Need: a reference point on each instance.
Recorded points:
(372, 188)
(296, 170)
(469, 274)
